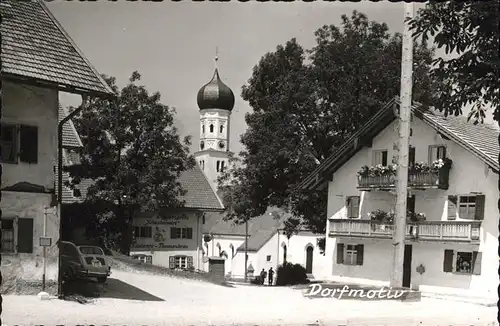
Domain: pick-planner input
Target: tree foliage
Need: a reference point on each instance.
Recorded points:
(469, 32)
(306, 103)
(133, 152)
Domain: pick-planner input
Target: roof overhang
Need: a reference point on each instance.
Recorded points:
(19, 79)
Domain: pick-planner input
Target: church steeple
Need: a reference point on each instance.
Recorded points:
(215, 101)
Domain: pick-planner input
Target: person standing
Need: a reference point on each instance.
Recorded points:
(263, 275)
(271, 274)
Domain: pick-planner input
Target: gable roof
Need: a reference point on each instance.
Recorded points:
(36, 49)
(199, 192)
(481, 140)
(257, 240)
(215, 224)
(71, 139)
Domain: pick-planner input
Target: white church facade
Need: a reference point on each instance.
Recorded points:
(267, 245)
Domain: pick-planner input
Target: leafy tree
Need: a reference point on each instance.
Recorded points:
(133, 152)
(307, 103)
(469, 30)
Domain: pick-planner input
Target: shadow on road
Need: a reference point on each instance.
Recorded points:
(113, 288)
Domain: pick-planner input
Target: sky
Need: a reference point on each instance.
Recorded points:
(173, 44)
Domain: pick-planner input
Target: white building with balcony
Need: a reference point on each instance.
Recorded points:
(451, 244)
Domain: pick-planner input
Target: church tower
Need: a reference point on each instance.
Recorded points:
(215, 101)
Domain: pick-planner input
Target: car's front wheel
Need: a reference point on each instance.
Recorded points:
(101, 279)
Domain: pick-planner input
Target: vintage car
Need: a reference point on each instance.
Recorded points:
(83, 262)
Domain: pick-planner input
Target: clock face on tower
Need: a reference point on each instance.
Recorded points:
(222, 145)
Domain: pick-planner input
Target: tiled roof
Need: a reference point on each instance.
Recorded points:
(70, 136)
(35, 46)
(257, 240)
(481, 140)
(215, 224)
(200, 194)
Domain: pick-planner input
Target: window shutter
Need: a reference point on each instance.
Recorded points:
(443, 151)
(479, 214)
(452, 207)
(360, 253)
(173, 233)
(190, 261)
(476, 262)
(189, 233)
(25, 235)
(171, 261)
(28, 144)
(411, 156)
(340, 253)
(384, 158)
(448, 261)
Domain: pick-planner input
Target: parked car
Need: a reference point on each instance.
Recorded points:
(83, 262)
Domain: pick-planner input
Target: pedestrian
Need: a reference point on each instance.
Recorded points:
(271, 274)
(263, 275)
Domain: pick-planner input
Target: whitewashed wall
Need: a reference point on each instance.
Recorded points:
(468, 174)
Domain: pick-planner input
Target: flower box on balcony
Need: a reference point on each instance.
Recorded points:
(420, 175)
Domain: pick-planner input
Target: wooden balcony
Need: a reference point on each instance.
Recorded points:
(440, 231)
(416, 180)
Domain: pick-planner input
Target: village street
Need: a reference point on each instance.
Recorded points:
(173, 301)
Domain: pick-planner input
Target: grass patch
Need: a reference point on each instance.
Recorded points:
(128, 264)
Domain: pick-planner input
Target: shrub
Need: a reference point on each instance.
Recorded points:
(291, 274)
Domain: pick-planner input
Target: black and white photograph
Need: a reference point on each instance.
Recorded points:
(181, 163)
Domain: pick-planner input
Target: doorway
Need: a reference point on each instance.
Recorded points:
(407, 266)
(309, 259)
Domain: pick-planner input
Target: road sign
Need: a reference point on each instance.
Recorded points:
(50, 210)
(45, 241)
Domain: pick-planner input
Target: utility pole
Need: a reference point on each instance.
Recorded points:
(399, 234)
(246, 250)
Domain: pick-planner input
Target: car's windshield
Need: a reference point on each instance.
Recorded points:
(88, 250)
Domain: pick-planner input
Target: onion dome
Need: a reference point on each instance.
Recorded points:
(215, 94)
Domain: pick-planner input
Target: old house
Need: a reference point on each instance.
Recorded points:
(39, 60)
(452, 219)
(173, 238)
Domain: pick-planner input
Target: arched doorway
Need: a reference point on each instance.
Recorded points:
(309, 259)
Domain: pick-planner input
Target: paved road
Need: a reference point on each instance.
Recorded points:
(197, 303)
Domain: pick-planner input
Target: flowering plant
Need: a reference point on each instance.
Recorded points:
(418, 167)
(388, 217)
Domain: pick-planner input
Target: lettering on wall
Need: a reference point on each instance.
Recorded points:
(160, 245)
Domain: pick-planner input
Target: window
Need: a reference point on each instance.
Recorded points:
(218, 166)
(9, 144)
(202, 128)
(19, 142)
(181, 262)
(462, 262)
(352, 205)
(8, 235)
(380, 157)
(467, 207)
(348, 254)
(211, 128)
(436, 152)
(221, 128)
(268, 258)
(222, 166)
(181, 233)
(143, 232)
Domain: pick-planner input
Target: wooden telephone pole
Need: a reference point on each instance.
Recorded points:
(399, 234)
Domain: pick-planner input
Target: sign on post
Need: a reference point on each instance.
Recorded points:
(45, 241)
(50, 210)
